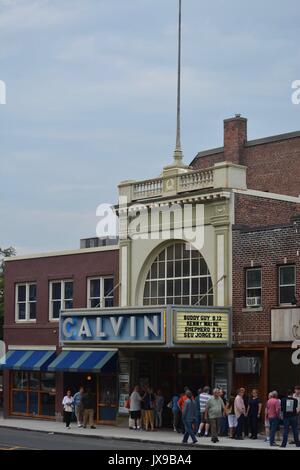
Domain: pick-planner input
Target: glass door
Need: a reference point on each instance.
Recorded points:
(107, 399)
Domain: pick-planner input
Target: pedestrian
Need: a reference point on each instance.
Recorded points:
(159, 406)
(232, 419)
(254, 412)
(204, 424)
(173, 405)
(149, 403)
(297, 396)
(198, 414)
(240, 412)
(214, 412)
(289, 408)
(223, 420)
(135, 408)
(188, 417)
(88, 405)
(78, 406)
(273, 414)
(68, 403)
(183, 398)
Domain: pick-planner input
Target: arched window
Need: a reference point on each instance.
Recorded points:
(178, 276)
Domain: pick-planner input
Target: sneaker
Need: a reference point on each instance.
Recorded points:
(274, 445)
(93, 427)
(68, 427)
(195, 442)
(80, 425)
(205, 435)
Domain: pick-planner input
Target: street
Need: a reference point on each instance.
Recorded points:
(15, 439)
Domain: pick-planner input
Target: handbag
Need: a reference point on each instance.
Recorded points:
(127, 403)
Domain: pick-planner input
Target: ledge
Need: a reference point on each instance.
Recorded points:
(252, 310)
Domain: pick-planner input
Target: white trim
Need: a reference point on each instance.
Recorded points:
(33, 348)
(62, 297)
(27, 303)
(102, 297)
(221, 269)
(78, 348)
(63, 253)
(275, 196)
(124, 268)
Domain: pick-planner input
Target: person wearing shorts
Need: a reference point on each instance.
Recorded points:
(135, 409)
(232, 419)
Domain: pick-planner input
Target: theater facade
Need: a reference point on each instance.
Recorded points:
(185, 296)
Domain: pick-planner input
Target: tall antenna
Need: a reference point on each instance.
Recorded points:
(178, 156)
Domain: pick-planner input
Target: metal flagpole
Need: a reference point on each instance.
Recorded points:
(178, 152)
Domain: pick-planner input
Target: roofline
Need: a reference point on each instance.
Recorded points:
(273, 138)
(250, 143)
(63, 253)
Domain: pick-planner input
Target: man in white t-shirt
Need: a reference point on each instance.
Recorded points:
(203, 399)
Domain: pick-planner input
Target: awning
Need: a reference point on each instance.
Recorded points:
(82, 361)
(24, 359)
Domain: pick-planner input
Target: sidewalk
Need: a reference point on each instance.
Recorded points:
(118, 433)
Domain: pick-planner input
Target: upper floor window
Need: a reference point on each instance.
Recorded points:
(61, 297)
(100, 292)
(253, 287)
(179, 276)
(26, 302)
(287, 285)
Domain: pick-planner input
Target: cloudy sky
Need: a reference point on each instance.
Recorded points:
(91, 90)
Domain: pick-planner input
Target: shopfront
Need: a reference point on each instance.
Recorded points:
(164, 347)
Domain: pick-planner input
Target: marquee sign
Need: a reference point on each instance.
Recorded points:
(112, 327)
(201, 327)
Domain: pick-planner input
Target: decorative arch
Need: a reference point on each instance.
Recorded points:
(177, 274)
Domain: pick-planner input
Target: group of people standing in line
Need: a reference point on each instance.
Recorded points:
(145, 408)
(215, 415)
(82, 404)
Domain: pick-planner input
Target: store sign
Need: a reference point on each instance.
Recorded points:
(111, 327)
(201, 327)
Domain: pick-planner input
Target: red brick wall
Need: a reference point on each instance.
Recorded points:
(42, 270)
(208, 161)
(256, 211)
(266, 248)
(274, 167)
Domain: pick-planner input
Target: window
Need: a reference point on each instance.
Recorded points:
(33, 393)
(253, 287)
(61, 297)
(26, 302)
(100, 292)
(178, 276)
(287, 285)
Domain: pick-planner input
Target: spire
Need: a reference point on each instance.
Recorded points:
(178, 156)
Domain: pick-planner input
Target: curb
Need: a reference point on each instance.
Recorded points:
(136, 439)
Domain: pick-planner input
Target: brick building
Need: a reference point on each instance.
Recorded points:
(222, 310)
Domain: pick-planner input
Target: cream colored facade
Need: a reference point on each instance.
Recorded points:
(212, 189)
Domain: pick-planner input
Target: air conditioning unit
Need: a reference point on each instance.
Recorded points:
(253, 301)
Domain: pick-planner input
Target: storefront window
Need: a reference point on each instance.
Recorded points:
(178, 276)
(33, 393)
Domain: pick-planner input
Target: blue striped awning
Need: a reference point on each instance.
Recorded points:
(81, 361)
(24, 359)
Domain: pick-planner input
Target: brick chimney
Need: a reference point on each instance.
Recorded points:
(235, 136)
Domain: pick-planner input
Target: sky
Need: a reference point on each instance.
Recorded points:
(91, 99)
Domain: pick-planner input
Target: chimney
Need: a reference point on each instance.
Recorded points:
(235, 136)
